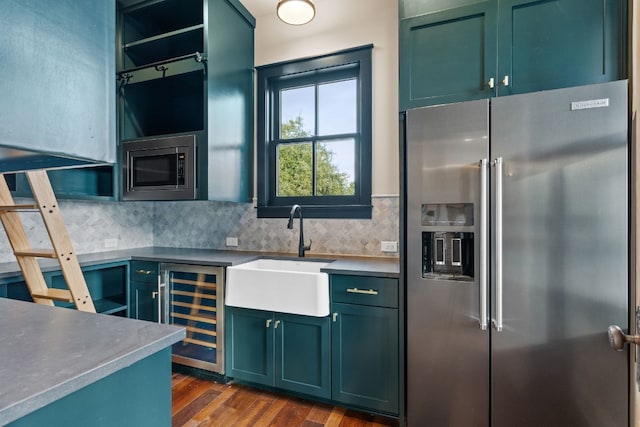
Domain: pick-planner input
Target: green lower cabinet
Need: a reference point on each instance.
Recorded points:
(107, 284)
(303, 354)
(250, 345)
(138, 395)
(365, 348)
(144, 295)
(286, 351)
(143, 301)
(16, 288)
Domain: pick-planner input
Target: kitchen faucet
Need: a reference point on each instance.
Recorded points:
(301, 246)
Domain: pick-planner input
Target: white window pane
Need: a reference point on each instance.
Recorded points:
(337, 107)
(335, 163)
(295, 170)
(297, 112)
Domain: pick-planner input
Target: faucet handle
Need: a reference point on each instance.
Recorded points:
(307, 248)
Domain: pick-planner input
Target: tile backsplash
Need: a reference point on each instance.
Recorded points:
(205, 224)
(90, 223)
(208, 224)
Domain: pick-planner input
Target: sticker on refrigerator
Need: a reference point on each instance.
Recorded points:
(592, 103)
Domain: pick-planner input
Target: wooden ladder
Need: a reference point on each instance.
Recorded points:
(63, 251)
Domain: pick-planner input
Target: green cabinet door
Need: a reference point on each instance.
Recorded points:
(303, 354)
(249, 345)
(448, 56)
(504, 47)
(143, 301)
(365, 359)
(144, 298)
(60, 96)
(286, 351)
(559, 43)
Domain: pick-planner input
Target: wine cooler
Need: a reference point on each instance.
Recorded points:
(194, 299)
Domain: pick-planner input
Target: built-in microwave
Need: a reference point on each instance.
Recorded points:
(162, 168)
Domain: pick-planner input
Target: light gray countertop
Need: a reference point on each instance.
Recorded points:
(47, 353)
(380, 267)
(368, 266)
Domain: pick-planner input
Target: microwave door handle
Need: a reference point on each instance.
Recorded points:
(130, 166)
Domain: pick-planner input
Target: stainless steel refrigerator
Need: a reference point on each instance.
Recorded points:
(516, 259)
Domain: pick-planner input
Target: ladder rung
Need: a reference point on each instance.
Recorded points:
(14, 208)
(54, 294)
(37, 253)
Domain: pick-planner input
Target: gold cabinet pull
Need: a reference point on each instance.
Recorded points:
(362, 291)
(145, 272)
(268, 322)
(335, 317)
(275, 325)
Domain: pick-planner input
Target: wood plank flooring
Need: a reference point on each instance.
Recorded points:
(202, 403)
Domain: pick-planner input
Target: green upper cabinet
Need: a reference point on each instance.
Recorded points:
(57, 85)
(468, 49)
(560, 43)
(446, 56)
(93, 183)
(186, 67)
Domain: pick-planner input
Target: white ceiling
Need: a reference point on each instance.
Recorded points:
(260, 7)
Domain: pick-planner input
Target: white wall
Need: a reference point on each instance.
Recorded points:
(341, 24)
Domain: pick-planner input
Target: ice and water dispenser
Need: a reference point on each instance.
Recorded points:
(447, 254)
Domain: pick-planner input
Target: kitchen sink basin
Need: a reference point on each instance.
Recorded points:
(282, 285)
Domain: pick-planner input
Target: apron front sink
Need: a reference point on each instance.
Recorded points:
(281, 285)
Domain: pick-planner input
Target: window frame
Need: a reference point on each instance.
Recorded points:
(350, 63)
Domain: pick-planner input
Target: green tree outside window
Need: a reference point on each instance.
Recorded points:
(295, 166)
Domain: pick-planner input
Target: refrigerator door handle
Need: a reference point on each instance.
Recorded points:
(617, 338)
(160, 291)
(483, 243)
(497, 322)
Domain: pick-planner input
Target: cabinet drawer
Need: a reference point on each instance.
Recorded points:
(376, 291)
(144, 271)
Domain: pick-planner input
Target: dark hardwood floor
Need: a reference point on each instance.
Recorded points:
(200, 403)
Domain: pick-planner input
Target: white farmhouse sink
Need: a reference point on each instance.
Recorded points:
(286, 286)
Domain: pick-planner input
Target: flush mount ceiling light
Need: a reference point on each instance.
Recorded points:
(296, 12)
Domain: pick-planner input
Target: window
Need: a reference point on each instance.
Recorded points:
(314, 136)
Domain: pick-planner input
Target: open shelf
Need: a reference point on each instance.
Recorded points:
(94, 182)
(111, 305)
(156, 18)
(167, 46)
(163, 106)
(106, 284)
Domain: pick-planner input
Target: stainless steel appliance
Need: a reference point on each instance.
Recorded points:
(162, 168)
(516, 259)
(193, 297)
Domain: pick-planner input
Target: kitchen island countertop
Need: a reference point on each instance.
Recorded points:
(48, 353)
